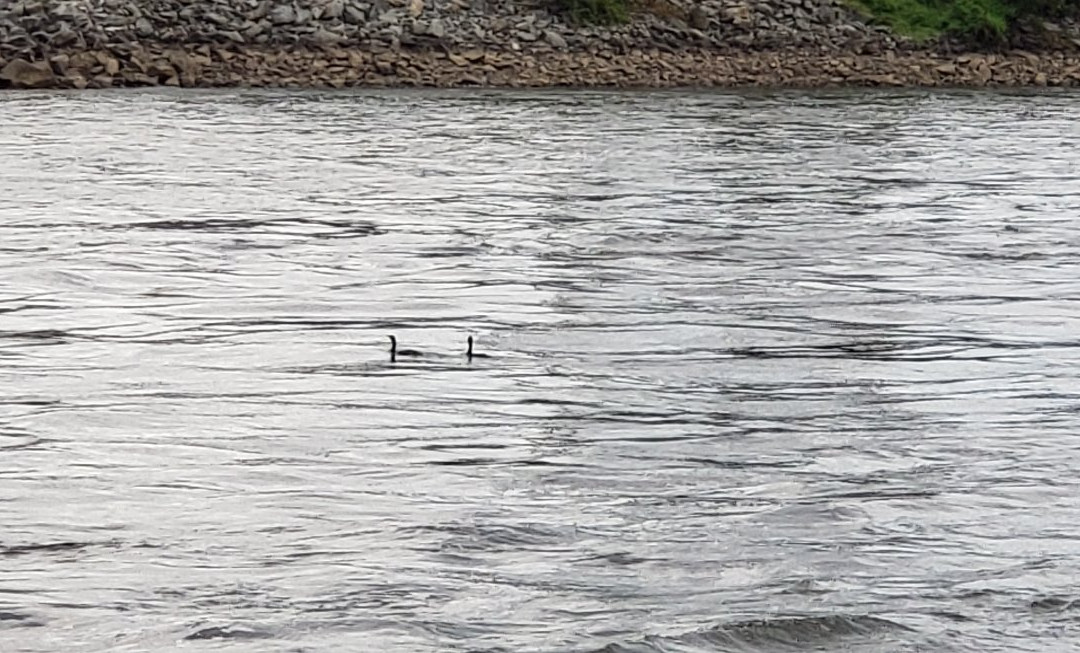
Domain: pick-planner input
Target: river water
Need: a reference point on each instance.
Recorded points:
(768, 372)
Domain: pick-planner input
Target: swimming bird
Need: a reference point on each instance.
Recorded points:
(395, 352)
(470, 353)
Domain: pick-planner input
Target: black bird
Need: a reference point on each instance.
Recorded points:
(395, 352)
(470, 353)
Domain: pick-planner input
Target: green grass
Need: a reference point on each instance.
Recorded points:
(984, 21)
(596, 12)
(976, 21)
(924, 20)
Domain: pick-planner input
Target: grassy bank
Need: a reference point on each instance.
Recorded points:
(978, 21)
(983, 22)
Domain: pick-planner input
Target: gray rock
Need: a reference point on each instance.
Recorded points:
(261, 10)
(27, 8)
(354, 16)
(233, 36)
(216, 19)
(391, 17)
(436, 28)
(326, 37)
(64, 37)
(699, 19)
(255, 29)
(283, 15)
(738, 14)
(67, 10)
(20, 73)
(144, 28)
(556, 41)
(333, 10)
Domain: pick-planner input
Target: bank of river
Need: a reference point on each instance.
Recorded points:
(344, 43)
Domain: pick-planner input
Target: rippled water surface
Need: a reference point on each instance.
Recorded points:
(774, 372)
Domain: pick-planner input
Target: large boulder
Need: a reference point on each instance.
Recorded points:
(20, 73)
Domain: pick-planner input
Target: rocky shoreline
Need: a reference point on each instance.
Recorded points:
(216, 67)
(491, 43)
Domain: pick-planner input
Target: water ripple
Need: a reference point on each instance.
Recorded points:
(768, 371)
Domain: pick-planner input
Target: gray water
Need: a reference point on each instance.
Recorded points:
(771, 372)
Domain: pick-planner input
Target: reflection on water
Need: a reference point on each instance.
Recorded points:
(768, 373)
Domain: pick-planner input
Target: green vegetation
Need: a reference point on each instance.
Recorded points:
(617, 12)
(984, 21)
(596, 12)
(975, 21)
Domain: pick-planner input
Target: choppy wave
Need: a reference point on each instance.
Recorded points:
(768, 372)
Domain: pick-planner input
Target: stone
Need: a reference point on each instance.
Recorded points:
(333, 10)
(325, 37)
(20, 73)
(354, 16)
(60, 62)
(738, 15)
(67, 11)
(283, 15)
(698, 18)
(416, 7)
(436, 28)
(232, 35)
(1031, 58)
(64, 37)
(555, 39)
(133, 78)
(261, 10)
(254, 30)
